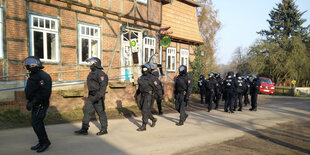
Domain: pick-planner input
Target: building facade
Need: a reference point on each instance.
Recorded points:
(122, 33)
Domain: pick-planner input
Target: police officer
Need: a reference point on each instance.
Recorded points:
(229, 87)
(158, 96)
(254, 89)
(148, 86)
(247, 90)
(211, 85)
(202, 87)
(182, 90)
(218, 90)
(38, 91)
(241, 87)
(97, 82)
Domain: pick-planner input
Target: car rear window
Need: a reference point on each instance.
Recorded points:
(268, 81)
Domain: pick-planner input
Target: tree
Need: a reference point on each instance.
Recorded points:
(209, 26)
(284, 53)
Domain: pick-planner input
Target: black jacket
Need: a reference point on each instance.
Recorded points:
(183, 83)
(39, 87)
(97, 82)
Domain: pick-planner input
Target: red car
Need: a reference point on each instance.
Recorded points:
(266, 86)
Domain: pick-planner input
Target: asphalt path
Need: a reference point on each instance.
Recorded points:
(200, 128)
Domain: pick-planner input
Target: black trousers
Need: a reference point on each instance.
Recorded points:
(203, 97)
(210, 98)
(158, 102)
(240, 100)
(180, 106)
(246, 99)
(217, 98)
(229, 101)
(89, 110)
(37, 116)
(146, 103)
(254, 100)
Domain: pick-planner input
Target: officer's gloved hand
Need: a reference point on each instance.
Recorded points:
(30, 104)
(185, 99)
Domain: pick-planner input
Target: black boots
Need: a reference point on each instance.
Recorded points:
(81, 132)
(102, 132)
(35, 147)
(43, 147)
(180, 123)
(142, 128)
(153, 122)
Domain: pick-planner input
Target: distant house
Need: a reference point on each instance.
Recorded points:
(122, 33)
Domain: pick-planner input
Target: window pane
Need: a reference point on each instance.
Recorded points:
(35, 21)
(83, 30)
(42, 23)
(146, 56)
(182, 61)
(94, 48)
(53, 24)
(51, 46)
(173, 62)
(125, 37)
(96, 32)
(92, 32)
(84, 49)
(38, 44)
(87, 31)
(47, 24)
(169, 62)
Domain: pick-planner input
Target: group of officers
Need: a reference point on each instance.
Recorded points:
(234, 90)
(39, 87)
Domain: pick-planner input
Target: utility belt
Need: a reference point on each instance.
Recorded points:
(181, 92)
(147, 93)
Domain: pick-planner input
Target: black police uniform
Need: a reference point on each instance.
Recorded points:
(158, 96)
(38, 91)
(97, 82)
(218, 91)
(211, 85)
(182, 90)
(148, 86)
(254, 91)
(246, 92)
(229, 86)
(241, 87)
(202, 88)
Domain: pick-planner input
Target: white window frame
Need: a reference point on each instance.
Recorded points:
(44, 31)
(161, 54)
(171, 52)
(90, 38)
(1, 35)
(148, 43)
(142, 1)
(184, 53)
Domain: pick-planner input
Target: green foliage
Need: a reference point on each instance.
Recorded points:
(284, 54)
(198, 67)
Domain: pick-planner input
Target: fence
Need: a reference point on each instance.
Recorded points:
(292, 91)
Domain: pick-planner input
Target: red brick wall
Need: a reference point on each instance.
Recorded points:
(43, 9)
(16, 29)
(16, 8)
(17, 50)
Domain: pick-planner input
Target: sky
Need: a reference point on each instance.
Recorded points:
(241, 19)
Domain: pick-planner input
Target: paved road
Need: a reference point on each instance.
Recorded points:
(165, 138)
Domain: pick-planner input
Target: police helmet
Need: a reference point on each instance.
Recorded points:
(201, 76)
(238, 74)
(146, 68)
(94, 62)
(254, 76)
(32, 62)
(217, 74)
(183, 69)
(211, 74)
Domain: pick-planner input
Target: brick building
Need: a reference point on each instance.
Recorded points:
(123, 33)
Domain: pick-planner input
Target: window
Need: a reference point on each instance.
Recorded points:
(171, 59)
(89, 42)
(184, 57)
(44, 37)
(1, 35)
(148, 48)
